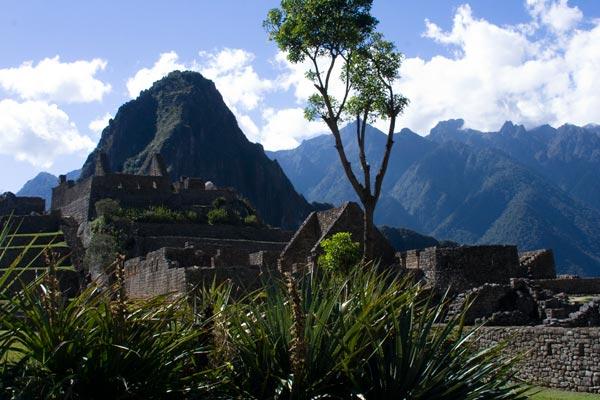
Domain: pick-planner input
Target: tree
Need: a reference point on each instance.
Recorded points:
(331, 34)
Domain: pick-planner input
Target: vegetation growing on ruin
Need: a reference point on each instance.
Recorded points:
(340, 253)
(222, 215)
(369, 335)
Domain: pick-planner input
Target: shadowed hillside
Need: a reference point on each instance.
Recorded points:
(469, 193)
(183, 117)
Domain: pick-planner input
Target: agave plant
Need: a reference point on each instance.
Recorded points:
(96, 345)
(366, 335)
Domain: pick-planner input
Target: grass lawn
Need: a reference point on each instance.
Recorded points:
(552, 394)
(583, 299)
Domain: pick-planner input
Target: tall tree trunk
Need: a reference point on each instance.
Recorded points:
(368, 230)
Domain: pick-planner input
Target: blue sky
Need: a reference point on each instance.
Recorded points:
(67, 66)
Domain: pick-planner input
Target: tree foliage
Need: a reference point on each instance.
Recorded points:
(330, 34)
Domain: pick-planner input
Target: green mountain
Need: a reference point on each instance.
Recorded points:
(450, 189)
(184, 118)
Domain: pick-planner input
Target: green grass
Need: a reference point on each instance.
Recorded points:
(553, 394)
(583, 299)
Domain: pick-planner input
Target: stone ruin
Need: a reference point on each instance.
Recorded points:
(304, 248)
(78, 199)
(506, 288)
(464, 267)
(539, 264)
(516, 295)
(11, 204)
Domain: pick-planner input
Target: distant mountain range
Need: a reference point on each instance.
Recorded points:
(537, 188)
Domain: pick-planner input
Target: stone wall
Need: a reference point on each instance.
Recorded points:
(153, 275)
(78, 200)
(297, 251)
(464, 267)
(177, 271)
(570, 285)
(563, 358)
(212, 231)
(73, 200)
(538, 264)
(16, 205)
(145, 244)
(264, 259)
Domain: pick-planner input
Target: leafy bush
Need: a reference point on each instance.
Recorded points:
(250, 210)
(340, 253)
(101, 252)
(251, 220)
(94, 347)
(368, 336)
(224, 216)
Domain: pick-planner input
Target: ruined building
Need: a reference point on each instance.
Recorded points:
(78, 199)
(28, 232)
(517, 295)
(304, 247)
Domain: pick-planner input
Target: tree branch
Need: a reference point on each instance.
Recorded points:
(348, 86)
(386, 157)
(363, 158)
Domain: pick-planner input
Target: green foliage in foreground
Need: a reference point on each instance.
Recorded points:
(367, 335)
(339, 252)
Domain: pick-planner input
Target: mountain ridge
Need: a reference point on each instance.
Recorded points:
(454, 185)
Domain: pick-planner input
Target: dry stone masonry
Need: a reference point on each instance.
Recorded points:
(516, 296)
(562, 358)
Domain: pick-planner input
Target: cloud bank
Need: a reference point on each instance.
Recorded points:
(38, 132)
(541, 72)
(33, 128)
(56, 81)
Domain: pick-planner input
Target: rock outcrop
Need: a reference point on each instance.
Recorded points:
(184, 118)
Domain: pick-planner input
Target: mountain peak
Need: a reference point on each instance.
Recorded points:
(408, 132)
(183, 118)
(508, 128)
(450, 124)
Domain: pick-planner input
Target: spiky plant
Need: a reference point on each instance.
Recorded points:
(97, 345)
(368, 335)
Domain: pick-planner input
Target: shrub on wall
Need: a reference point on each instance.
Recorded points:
(223, 216)
(251, 220)
(219, 202)
(340, 252)
(101, 253)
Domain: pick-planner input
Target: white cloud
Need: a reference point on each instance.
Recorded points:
(555, 14)
(230, 69)
(501, 73)
(235, 77)
(100, 123)
(145, 77)
(56, 81)
(285, 128)
(38, 133)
